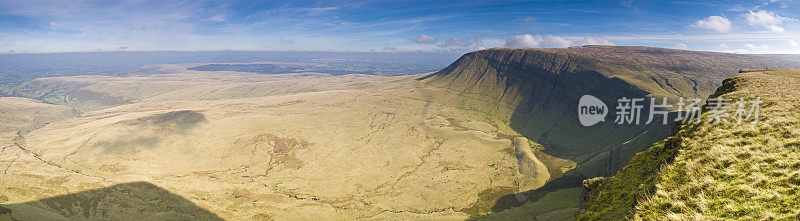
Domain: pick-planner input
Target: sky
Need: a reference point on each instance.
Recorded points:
(44, 26)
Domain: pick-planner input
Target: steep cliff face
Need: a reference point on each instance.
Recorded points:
(714, 171)
(541, 89)
(665, 72)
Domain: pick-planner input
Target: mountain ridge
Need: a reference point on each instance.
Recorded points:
(542, 85)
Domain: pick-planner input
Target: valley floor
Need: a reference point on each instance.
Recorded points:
(226, 146)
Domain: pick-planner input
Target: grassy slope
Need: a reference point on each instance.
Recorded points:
(540, 86)
(347, 154)
(532, 90)
(707, 171)
(23, 114)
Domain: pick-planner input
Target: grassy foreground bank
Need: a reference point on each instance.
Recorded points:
(715, 171)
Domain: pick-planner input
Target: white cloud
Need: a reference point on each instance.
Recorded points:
(528, 40)
(738, 51)
(193, 25)
(457, 42)
(556, 41)
(425, 39)
(681, 46)
(766, 19)
(596, 41)
(782, 3)
(551, 41)
(716, 23)
(760, 48)
(525, 40)
(752, 47)
(476, 42)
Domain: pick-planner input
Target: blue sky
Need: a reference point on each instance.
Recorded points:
(36, 26)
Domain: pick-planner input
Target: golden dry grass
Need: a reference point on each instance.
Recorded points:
(23, 114)
(730, 171)
(271, 149)
(712, 171)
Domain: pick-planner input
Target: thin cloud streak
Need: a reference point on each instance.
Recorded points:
(59, 26)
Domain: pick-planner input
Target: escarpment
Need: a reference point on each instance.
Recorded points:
(536, 91)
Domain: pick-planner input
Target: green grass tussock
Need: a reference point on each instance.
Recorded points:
(716, 171)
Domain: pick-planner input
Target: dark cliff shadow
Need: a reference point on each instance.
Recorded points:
(519, 199)
(126, 201)
(546, 112)
(550, 118)
(511, 201)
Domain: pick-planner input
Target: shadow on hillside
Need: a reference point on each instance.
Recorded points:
(148, 132)
(176, 121)
(511, 200)
(546, 112)
(548, 116)
(136, 200)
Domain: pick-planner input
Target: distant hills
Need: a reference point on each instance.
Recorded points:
(788, 57)
(16, 69)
